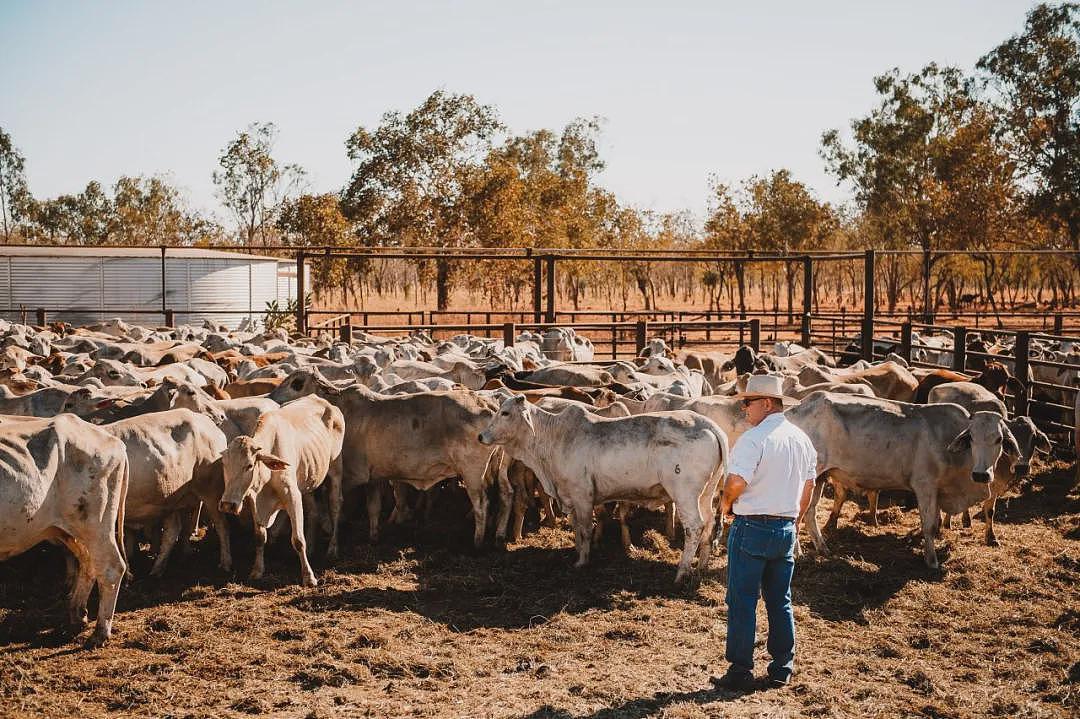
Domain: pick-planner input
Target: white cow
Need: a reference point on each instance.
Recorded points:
(293, 449)
(583, 460)
(65, 480)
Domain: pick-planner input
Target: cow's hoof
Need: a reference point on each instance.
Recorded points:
(78, 619)
(95, 640)
(310, 582)
(225, 566)
(255, 576)
(332, 554)
(992, 542)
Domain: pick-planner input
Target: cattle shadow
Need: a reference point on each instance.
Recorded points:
(516, 589)
(1048, 494)
(641, 707)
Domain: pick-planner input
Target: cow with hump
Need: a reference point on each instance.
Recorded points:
(584, 460)
(292, 451)
(65, 480)
(420, 439)
(943, 454)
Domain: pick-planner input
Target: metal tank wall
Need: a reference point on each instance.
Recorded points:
(83, 289)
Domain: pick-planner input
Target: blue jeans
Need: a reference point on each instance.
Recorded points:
(761, 556)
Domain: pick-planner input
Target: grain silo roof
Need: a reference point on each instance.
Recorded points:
(135, 252)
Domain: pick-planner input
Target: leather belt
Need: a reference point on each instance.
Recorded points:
(765, 517)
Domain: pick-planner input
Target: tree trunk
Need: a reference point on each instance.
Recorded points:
(442, 284)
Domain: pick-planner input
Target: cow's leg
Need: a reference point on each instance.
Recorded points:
(946, 523)
(581, 515)
(669, 521)
(402, 511)
(810, 518)
(599, 517)
(521, 500)
(473, 480)
(965, 519)
(692, 529)
(221, 527)
(80, 594)
(188, 529)
(170, 532)
(872, 496)
(259, 515)
(707, 508)
(294, 507)
(838, 503)
(929, 516)
(334, 499)
(989, 509)
(506, 498)
(622, 513)
(311, 518)
(109, 568)
(374, 508)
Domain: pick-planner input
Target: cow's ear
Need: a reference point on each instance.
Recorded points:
(275, 463)
(520, 399)
(1009, 445)
(1042, 443)
(962, 442)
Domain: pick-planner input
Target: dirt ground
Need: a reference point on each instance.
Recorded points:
(423, 626)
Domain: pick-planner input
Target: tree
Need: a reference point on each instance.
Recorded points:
(150, 211)
(409, 184)
(785, 218)
(1036, 76)
(14, 196)
(893, 164)
(317, 221)
(726, 231)
(252, 184)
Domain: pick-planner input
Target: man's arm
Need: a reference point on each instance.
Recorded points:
(733, 487)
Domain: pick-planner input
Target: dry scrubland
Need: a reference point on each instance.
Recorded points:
(423, 627)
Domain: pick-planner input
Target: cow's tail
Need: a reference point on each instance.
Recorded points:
(120, 514)
(716, 481)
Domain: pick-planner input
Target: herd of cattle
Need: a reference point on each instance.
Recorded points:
(111, 431)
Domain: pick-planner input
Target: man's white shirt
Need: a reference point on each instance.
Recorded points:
(776, 459)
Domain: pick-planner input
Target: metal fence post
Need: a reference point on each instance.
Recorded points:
(550, 289)
(170, 318)
(641, 330)
(509, 330)
(345, 331)
(755, 335)
(538, 281)
(1023, 342)
(905, 341)
(806, 330)
(959, 357)
(41, 316)
(1059, 324)
(808, 285)
(868, 307)
(301, 309)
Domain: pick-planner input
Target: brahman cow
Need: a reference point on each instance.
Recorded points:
(583, 460)
(65, 480)
(294, 448)
(420, 439)
(938, 451)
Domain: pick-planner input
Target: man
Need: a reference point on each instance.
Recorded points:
(771, 477)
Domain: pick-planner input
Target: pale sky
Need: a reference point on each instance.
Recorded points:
(94, 90)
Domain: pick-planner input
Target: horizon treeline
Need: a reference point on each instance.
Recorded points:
(944, 160)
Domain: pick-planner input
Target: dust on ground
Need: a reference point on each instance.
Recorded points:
(422, 626)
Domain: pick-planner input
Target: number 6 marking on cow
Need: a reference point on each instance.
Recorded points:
(677, 470)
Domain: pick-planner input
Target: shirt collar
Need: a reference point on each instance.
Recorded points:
(772, 419)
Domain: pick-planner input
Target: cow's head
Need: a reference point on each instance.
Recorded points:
(187, 396)
(986, 438)
(247, 469)
(512, 423)
(115, 374)
(745, 359)
(1030, 439)
(302, 382)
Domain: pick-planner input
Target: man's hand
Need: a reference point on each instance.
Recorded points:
(733, 487)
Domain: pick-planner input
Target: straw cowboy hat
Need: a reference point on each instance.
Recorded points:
(765, 385)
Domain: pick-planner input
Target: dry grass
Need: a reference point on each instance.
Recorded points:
(424, 627)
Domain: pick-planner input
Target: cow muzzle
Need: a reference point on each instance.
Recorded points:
(980, 477)
(229, 507)
(484, 438)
